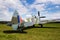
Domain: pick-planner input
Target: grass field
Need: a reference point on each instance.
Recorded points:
(51, 31)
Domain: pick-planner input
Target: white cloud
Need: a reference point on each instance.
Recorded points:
(28, 16)
(50, 16)
(15, 4)
(54, 1)
(57, 6)
(38, 7)
(40, 1)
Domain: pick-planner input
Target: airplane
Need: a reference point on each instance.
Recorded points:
(22, 24)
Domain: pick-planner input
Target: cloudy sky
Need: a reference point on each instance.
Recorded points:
(26, 8)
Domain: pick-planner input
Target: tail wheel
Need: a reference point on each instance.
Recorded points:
(20, 29)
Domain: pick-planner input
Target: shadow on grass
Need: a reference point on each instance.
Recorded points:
(13, 31)
(41, 27)
(52, 27)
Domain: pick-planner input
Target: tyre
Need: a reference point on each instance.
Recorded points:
(20, 29)
(41, 25)
(33, 26)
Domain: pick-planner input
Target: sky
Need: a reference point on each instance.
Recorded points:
(27, 8)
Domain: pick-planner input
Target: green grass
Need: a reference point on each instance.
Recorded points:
(51, 31)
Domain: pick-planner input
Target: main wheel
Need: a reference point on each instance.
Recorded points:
(41, 25)
(33, 26)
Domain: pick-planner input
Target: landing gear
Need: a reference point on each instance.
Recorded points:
(33, 26)
(41, 25)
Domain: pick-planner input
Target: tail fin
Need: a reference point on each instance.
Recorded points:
(17, 16)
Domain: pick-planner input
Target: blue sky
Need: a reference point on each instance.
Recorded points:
(26, 8)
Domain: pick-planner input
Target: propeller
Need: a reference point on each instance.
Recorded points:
(41, 16)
